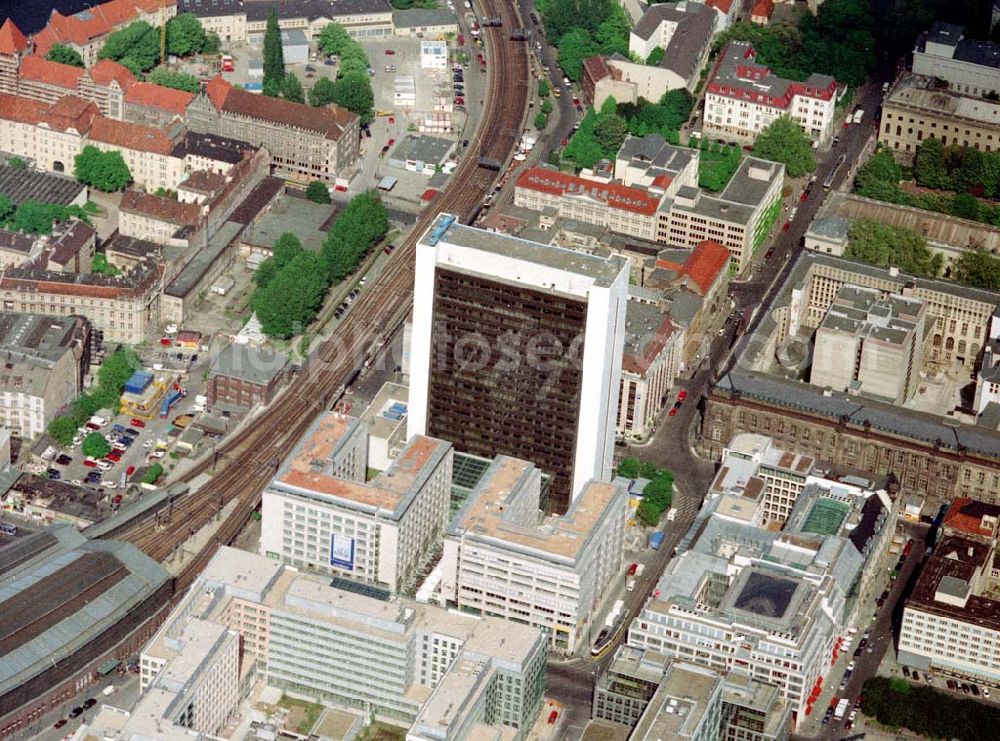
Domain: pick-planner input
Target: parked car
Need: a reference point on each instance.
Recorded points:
(130, 470)
(89, 703)
(60, 723)
(136, 422)
(76, 712)
(53, 474)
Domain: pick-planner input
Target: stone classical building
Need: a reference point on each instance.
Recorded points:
(968, 66)
(306, 143)
(125, 308)
(917, 110)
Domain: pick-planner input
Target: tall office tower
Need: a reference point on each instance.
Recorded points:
(516, 350)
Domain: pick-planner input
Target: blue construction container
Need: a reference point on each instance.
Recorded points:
(172, 398)
(139, 382)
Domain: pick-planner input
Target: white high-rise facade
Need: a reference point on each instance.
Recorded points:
(516, 350)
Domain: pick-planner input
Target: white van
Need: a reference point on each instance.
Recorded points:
(99, 421)
(630, 586)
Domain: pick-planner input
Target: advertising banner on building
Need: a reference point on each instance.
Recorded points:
(342, 551)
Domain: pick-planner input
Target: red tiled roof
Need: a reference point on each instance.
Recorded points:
(218, 90)
(966, 516)
(12, 41)
(722, 5)
(616, 196)
(106, 70)
(703, 266)
(69, 112)
(131, 136)
(156, 96)
(762, 9)
(94, 22)
(39, 69)
(596, 68)
(639, 363)
(662, 181)
(161, 208)
(330, 121)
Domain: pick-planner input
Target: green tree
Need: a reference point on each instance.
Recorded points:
(978, 269)
(117, 368)
(318, 192)
(353, 91)
(648, 470)
(322, 92)
(543, 88)
(930, 168)
(6, 209)
(561, 16)
(274, 56)
(541, 121)
(286, 249)
(965, 206)
(291, 89)
(783, 141)
(176, 80)
(105, 171)
(152, 474)
(265, 272)
(95, 445)
(881, 167)
(613, 32)
(290, 301)
(65, 55)
(610, 132)
(359, 226)
(137, 47)
(35, 217)
(17, 163)
(886, 245)
(629, 468)
(547, 107)
(185, 35)
(573, 48)
(655, 57)
(656, 498)
(583, 149)
(62, 429)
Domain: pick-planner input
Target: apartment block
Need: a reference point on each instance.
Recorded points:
(305, 143)
(125, 308)
(744, 96)
(950, 623)
(242, 376)
(871, 345)
(502, 557)
(319, 512)
(45, 360)
(739, 218)
(516, 350)
(968, 66)
(918, 109)
(443, 674)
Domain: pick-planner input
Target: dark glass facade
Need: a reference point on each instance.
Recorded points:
(505, 374)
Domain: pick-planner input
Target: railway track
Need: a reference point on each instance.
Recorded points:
(252, 457)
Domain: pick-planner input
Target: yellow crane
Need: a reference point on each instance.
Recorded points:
(163, 31)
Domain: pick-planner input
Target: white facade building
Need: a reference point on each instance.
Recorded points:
(743, 97)
(498, 330)
(501, 557)
(968, 66)
(319, 513)
(445, 675)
